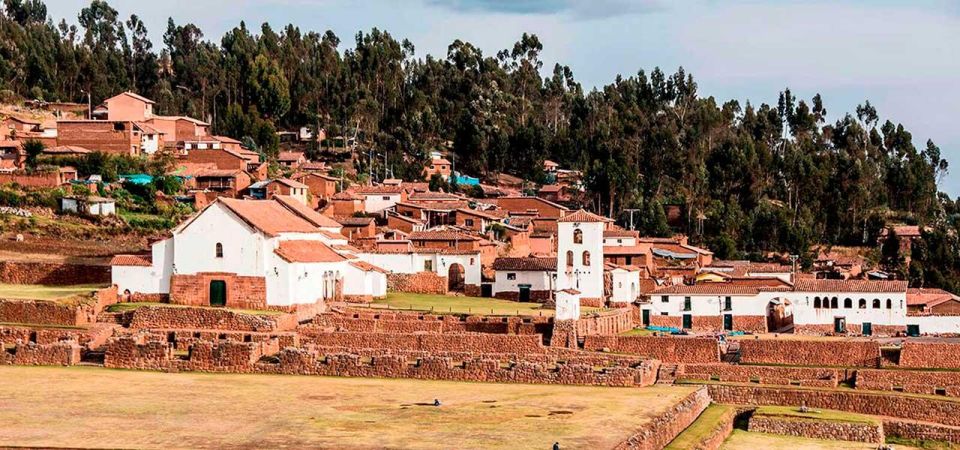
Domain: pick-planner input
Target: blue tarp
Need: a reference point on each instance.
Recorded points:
(464, 179)
(137, 178)
(664, 329)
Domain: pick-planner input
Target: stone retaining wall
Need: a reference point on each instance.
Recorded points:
(912, 407)
(66, 353)
(923, 431)
(804, 376)
(915, 381)
(23, 272)
(606, 322)
(930, 355)
(173, 317)
(810, 353)
(666, 349)
(47, 312)
(817, 429)
(417, 283)
(405, 322)
(666, 426)
(479, 343)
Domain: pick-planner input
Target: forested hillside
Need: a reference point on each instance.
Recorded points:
(762, 178)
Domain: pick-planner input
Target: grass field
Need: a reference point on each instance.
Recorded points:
(815, 414)
(700, 428)
(462, 305)
(95, 407)
(44, 292)
(742, 440)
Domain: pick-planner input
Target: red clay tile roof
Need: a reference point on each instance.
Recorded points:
(367, 267)
(305, 212)
(441, 235)
(290, 156)
(354, 221)
(619, 233)
(307, 252)
(131, 260)
(476, 213)
(346, 195)
(227, 140)
(525, 264)
(380, 189)
(268, 216)
(433, 196)
(928, 297)
(290, 183)
(583, 216)
(66, 149)
(816, 285)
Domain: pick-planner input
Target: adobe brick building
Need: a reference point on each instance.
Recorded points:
(120, 137)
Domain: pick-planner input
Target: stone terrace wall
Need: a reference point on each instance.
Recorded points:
(479, 343)
(183, 339)
(44, 312)
(17, 272)
(915, 381)
(9, 335)
(417, 283)
(720, 432)
(408, 322)
(804, 376)
(810, 353)
(665, 427)
(930, 355)
(175, 317)
(225, 356)
(65, 353)
(912, 407)
(606, 323)
(666, 349)
(817, 429)
(919, 430)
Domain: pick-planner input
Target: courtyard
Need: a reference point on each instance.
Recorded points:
(45, 292)
(95, 407)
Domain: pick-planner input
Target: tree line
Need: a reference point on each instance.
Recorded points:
(748, 179)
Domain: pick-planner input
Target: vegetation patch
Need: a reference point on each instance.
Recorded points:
(708, 421)
(824, 415)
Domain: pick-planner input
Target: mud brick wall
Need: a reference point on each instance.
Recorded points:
(810, 353)
(417, 283)
(930, 355)
(750, 324)
(664, 427)
(40, 179)
(915, 381)
(805, 376)
(817, 429)
(479, 343)
(922, 431)
(172, 317)
(65, 353)
(40, 312)
(666, 349)
(944, 412)
(242, 291)
(606, 322)
(16, 272)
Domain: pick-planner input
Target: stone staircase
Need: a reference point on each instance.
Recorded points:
(667, 373)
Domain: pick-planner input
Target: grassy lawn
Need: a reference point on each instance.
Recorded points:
(121, 307)
(45, 292)
(742, 440)
(700, 428)
(637, 332)
(825, 415)
(84, 407)
(461, 305)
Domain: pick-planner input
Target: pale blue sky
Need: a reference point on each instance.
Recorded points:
(902, 56)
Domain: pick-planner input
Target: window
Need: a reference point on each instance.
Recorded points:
(665, 299)
(452, 244)
(569, 258)
(889, 304)
(428, 266)
(834, 303)
(629, 260)
(586, 258)
(619, 241)
(863, 303)
(577, 236)
(471, 261)
(664, 314)
(876, 303)
(727, 303)
(816, 302)
(468, 222)
(511, 276)
(219, 250)
(848, 303)
(386, 197)
(686, 304)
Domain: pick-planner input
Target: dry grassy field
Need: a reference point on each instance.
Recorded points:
(94, 407)
(742, 440)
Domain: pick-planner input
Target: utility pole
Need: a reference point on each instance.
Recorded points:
(89, 105)
(793, 266)
(631, 211)
(385, 165)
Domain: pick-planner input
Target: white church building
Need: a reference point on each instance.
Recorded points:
(251, 254)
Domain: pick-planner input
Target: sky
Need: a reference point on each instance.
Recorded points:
(902, 56)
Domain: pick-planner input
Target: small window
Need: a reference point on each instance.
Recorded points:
(468, 222)
(863, 303)
(665, 299)
(816, 302)
(511, 276)
(586, 258)
(629, 260)
(219, 250)
(428, 266)
(834, 303)
(577, 236)
(848, 303)
(386, 197)
(471, 261)
(686, 304)
(569, 258)
(889, 304)
(727, 303)
(876, 303)
(664, 314)
(118, 126)
(452, 244)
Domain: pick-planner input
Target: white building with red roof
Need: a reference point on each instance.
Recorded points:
(251, 254)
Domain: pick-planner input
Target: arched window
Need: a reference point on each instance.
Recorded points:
(577, 236)
(586, 259)
(876, 303)
(219, 250)
(848, 303)
(863, 304)
(816, 303)
(569, 258)
(889, 304)
(834, 303)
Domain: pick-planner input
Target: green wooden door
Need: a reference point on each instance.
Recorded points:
(218, 293)
(728, 322)
(839, 325)
(524, 292)
(867, 329)
(687, 321)
(913, 330)
(646, 317)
